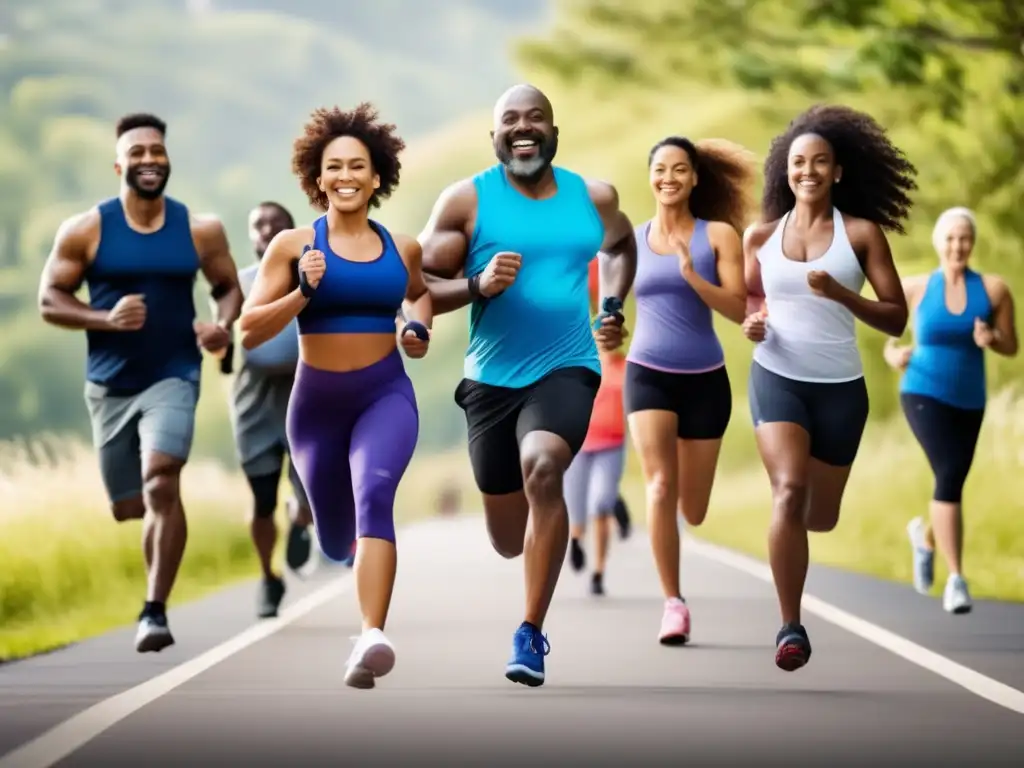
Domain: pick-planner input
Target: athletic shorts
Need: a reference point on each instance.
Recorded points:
(498, 418)
(834, 414)
(702, 402)
(948, 435)
(160, 419)
(592, 483)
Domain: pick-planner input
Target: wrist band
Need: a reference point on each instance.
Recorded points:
(474, 286)
(305, 288)
(418, 328)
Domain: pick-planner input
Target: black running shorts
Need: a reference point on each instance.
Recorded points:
(498, 418)
(702, 402)
(834, 414)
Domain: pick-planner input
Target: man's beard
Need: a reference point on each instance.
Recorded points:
(147, 193)
(528, 169)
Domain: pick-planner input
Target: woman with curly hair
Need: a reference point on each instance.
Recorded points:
(833, 184)
(958, 314)
(677, 391)
(352, 418)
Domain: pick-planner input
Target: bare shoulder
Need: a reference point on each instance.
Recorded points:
(409, 247)
(207, 225)
(81, 227)
(757, 234)
(863, 231)
(603, 194)
(288, 243)
(457, 200)
(722, 232)
(996, 288)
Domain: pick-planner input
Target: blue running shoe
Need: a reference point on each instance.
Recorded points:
(924, 556)
(526, 665)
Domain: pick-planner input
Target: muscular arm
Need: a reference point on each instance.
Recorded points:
(730, 298)
(272, 302)
(64, 273)
(417, 304)
(219, 270)
(444, 245)
(617, 258)
(888, 313)
(1003, 321)
(753, 238)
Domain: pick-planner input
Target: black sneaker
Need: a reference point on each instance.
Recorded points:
(153, 634)
(597, 584)
(269, 597)
(792, 648)
(622, 518)
(576, 555)
(299, 549)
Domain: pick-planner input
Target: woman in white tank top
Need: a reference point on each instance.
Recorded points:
(833, 184)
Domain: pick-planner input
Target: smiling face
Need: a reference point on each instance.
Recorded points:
(956, 245)
(143, 163)
(812, 168)
(672, 175)
(265, 222)
(525, 138)
(346, 174)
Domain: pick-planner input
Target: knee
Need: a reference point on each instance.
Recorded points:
(507, 547)
(375, 500)
(162, 492)
(542, 479)
(790, 499)
(128, 509)
(661, 491)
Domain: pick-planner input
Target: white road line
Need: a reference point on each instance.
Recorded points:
(60, 741)
(975, 682)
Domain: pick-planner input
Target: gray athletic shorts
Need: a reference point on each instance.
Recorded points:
(592, 483)
(160, 419)
(259, 413)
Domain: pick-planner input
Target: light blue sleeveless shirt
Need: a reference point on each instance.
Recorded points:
(541, 322)
(277, 355)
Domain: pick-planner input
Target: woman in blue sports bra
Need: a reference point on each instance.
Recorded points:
(957, 314)
(352, 420)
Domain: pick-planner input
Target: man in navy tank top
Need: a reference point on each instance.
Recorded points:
(139, 254)
(522, 235)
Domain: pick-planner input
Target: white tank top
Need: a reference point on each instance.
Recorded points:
(809, 337)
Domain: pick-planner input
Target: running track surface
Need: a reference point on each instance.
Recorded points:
(274, 696)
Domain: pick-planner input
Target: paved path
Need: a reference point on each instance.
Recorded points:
(271, 693)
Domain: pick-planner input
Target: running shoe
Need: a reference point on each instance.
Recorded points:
(924, 556)
(675, 623)
(373, 656)
(153, 634)
(955, 598)
(526, 665)
(597, 584)
(300, 550)
(792, 647)
(622, 518)
(576, 555)
(269, 597)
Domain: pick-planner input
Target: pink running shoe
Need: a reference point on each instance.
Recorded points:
(675, 623)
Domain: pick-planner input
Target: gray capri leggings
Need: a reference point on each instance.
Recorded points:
(592, 483)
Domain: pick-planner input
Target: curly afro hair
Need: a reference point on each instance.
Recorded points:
(877, 176)
(725, 179)
(361, 123)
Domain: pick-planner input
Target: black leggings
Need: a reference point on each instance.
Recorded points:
(948, 436)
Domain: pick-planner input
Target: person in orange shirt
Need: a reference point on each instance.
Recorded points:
(592, 480)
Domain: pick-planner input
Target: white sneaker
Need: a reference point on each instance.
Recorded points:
(956, 598)
(373, 656)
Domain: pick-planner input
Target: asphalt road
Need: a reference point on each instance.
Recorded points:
(893, 680)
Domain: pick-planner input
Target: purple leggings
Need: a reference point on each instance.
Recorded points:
(352, 436)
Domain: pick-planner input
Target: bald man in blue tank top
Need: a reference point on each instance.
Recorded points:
(515, 243)
(139, 253)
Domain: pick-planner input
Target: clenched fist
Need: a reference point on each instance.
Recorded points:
(500, 273)
(312, 266)
(129, 314)
(755, 325)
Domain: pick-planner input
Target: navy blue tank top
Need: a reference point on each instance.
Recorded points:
(162, 266)
(355, 296)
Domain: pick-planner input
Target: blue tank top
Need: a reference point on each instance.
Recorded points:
(162, 266)
(356, 296)
(542, 321)
(946, 364)
(674, 329)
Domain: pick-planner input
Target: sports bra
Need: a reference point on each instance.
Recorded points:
(355, 296)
